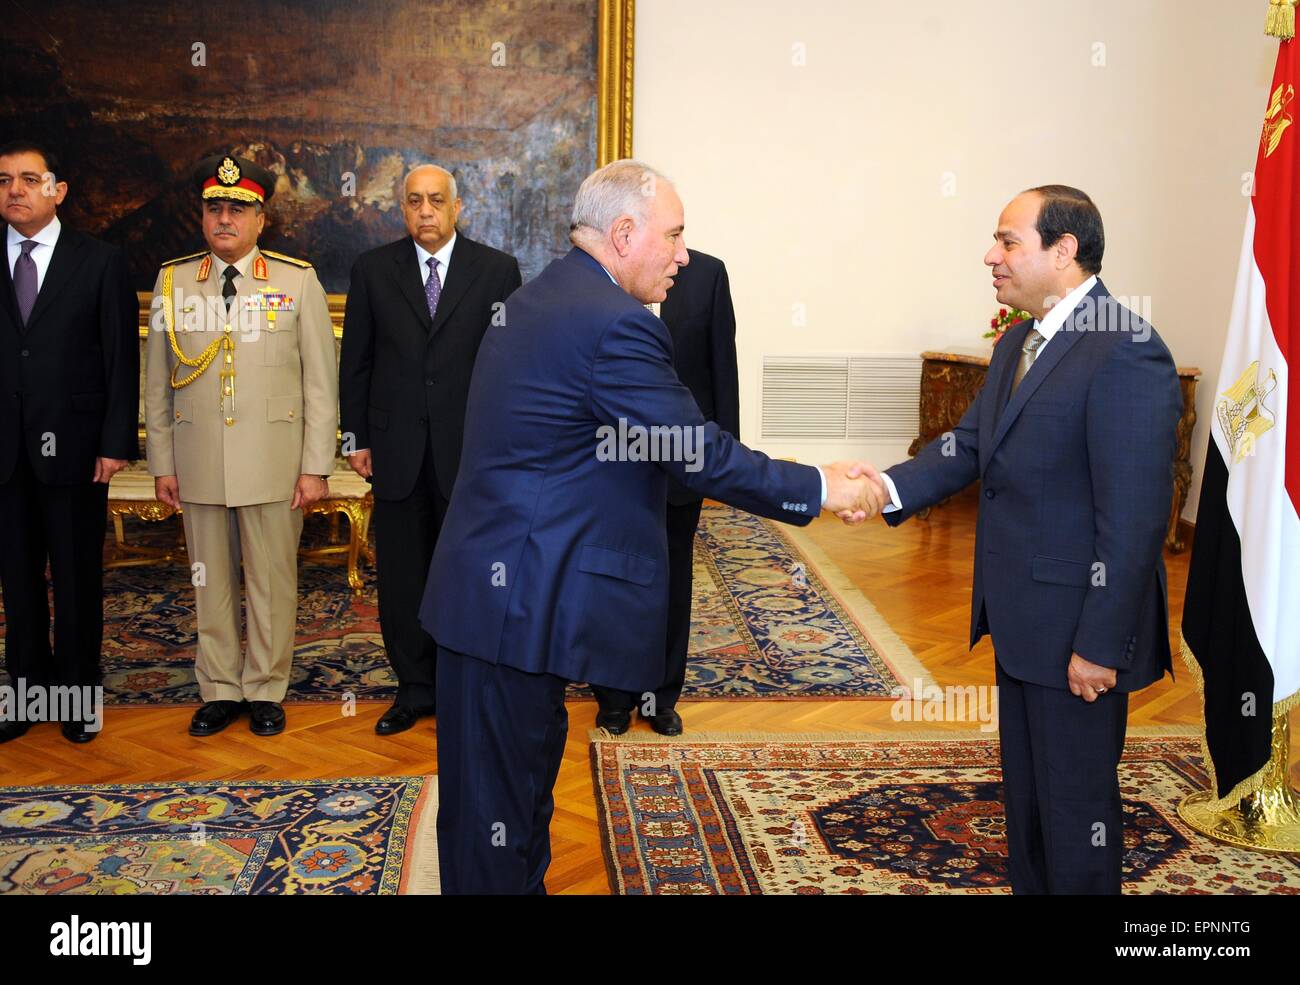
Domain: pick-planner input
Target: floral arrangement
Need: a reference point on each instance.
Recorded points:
(1004, 319)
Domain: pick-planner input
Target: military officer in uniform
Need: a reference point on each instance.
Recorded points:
(241, 406)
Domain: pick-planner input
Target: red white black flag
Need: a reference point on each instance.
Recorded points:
(1241, 618)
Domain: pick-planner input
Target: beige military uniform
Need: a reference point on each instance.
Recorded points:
(237, 436)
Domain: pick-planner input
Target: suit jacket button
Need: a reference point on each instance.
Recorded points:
(990, 493)
(26, 353)
(428, 382)
(785, 506)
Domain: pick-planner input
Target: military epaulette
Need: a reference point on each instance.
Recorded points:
(189, 256)
(280, 256)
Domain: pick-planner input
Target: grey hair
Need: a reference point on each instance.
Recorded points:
(451, 179)
(620, 188)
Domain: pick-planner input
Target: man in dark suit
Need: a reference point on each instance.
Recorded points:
(702, 323)
(70, 383)
(551, 567)
(1072, 439)
(416, 313)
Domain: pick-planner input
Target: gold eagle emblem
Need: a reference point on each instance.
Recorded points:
(228, 172)
(1277, 119)
(1243, 414)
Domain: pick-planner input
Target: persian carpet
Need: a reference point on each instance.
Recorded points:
(853, 814)
(357, 837)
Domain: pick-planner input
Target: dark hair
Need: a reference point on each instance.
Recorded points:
(52, 164)
(1068, 210)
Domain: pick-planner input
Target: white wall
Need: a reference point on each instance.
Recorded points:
(822, 184)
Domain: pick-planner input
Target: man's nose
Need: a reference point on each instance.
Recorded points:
(681, 257)
(993, 257)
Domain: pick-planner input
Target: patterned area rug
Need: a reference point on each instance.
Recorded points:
(820, 815)
(355, 837)
(772, 617)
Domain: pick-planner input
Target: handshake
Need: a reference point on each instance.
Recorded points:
(855, 491)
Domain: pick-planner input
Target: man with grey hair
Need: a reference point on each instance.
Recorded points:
(417, 310)
(552, 566)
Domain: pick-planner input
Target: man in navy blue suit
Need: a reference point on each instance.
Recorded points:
(552, 563)
(1072, 439)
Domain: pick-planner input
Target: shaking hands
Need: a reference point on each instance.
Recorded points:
(854, 491)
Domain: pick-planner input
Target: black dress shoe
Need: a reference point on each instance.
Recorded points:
(78, 732)
(214, 716)
(265, 718)
(398, 719)
(13, 730)
(667, 722)
(616, 722)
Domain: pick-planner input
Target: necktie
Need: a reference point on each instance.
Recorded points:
(25, 280)
(1033, 342)
(228, 288)
(432, 286)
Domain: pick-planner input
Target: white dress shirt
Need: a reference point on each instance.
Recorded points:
(41, 254)
(443, 256)
(1052, 323)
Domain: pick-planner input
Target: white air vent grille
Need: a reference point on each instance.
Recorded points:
(868, 398)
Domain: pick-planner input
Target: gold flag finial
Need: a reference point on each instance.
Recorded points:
(1281, 19)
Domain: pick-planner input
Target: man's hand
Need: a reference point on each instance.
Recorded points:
(854, 491)
(360, 462)
(310, 489)
(167, 490)
(1087, 680)
(855, 469)
(106, 468)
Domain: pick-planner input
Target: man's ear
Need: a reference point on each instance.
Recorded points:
(1066, 249)
(621, 235)
(60, 192)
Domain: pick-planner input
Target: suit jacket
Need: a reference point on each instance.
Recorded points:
(1076, 473)
(552, 560)
(285, 402)
(73, 372)
(403, 377)
(702, 323)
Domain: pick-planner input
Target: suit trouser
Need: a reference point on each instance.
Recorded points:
(265, 537)
(406, 532)
(501, 734)
(682, 523)
(1060, 760)
(64, 524)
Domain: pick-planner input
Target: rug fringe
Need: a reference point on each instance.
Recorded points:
(910, 735)
(422, 877)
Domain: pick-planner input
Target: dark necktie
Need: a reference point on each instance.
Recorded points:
(25, 280)
(228, 288)
(432, 286)
(1033, 342)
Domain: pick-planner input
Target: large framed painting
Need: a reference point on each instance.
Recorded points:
(520, 99)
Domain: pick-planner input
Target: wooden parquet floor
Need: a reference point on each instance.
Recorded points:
(917, 576)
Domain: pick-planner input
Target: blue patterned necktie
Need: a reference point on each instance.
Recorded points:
(432, 287)
(25, 279)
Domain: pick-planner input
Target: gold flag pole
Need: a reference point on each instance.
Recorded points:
(1266, 820)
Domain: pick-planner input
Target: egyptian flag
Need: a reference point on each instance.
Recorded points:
(1241, 617)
